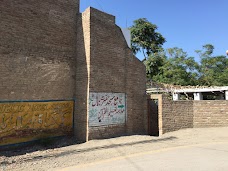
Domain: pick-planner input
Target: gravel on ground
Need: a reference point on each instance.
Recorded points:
(65, 153)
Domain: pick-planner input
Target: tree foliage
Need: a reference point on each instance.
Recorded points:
(213, 69)
(145, 38)
(173, 65)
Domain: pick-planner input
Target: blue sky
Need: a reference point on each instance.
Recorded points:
(187, 24)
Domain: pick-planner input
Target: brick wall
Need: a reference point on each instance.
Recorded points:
(48, 50)
(37, 49)
(107, 131)
(210, 113)
(137, 119)
(172, 115)
(82, 77)
(107, 58)
(113, 69)
(176, 114)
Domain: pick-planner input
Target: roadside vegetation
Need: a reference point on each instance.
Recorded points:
(173, 65)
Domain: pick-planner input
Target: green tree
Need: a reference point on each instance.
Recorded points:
(154, 65)
(213, 69)
(179, 69)
(145, 38)
(172, 67)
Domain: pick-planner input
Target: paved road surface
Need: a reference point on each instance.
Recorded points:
(201, 157)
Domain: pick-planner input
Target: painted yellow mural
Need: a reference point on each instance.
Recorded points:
(27, 121)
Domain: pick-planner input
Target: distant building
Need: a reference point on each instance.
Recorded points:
(194, 93)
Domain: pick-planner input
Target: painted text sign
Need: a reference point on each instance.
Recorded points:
(27, 121)
(107, 109)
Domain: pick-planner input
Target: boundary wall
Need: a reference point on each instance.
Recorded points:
(50, 51)
(175, 115)
(116, 98)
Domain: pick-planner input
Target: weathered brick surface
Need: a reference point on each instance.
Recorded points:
(176, 114)
(137, 119)
(113, 69)
(210, 113)
(82, 78)
(48, 50)
(107, 131)
(37, 49)
(107, 58)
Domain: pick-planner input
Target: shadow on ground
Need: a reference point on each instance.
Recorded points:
(69, 152)
(38, 145)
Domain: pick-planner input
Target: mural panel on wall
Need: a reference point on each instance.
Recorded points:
(107, 109)
(27, 121)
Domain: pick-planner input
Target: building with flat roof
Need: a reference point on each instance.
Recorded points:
(197, 93)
